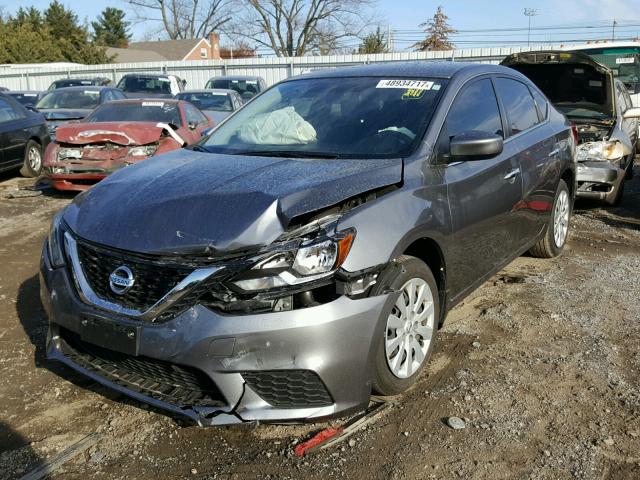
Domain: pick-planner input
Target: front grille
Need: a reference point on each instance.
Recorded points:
(289, 388)
(175, 384)
(153, 280)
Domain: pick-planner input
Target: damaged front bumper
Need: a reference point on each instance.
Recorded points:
(299, 365)
(599, 180)
(80, 175)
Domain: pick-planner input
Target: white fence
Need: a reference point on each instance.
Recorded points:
(196, 73)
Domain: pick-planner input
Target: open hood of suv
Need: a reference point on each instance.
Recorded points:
(193, 202)
(576, 84)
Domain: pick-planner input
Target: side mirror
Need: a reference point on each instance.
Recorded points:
(32, 108)
(633, 112)
(192, 126)
(475, 145)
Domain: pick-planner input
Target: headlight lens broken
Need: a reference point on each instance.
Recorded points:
(599, 151)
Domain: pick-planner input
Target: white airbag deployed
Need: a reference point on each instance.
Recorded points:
(280, 127)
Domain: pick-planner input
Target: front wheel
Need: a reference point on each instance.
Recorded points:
(32, 166)
(555, 236)
(409, 328)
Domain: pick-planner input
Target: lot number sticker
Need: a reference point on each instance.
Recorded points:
(406, 84)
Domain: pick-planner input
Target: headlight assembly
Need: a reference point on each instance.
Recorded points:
(55, 241)
(311, 261)
(143, 151)
(603, 151)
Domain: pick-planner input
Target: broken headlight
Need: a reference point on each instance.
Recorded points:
(66, 153)
(54, 241)
(602, 151)
(312, 260)
(143, 151)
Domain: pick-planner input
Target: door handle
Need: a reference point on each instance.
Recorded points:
(511, 176)
(553, 153)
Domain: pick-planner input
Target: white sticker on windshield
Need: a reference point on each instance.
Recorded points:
(30, 95)
(578, 70)
(623, 60)
(406, 84)
(91, 92)
(164, 80)
(595, 83)
(153, 104)
(252, 82)
(219, 93)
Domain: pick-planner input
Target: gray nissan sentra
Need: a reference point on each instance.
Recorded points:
(306, 252)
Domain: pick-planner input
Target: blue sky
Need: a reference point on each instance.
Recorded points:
(463, 14)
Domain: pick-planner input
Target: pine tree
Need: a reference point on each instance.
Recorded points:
(111, 29)
(438, 31)
(373, 43)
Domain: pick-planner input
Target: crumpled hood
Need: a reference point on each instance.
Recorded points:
(121, 133)
(64, 113)
(187, 201)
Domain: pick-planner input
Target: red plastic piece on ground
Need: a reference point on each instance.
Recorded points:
(318, 439)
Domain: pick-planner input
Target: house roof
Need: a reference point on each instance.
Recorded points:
(169, 49)
(132, 55)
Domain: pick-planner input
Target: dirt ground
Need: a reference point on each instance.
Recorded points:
(542, 362)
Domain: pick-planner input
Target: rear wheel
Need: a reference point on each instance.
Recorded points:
(555, 237)
(410, 327)
(32, 165)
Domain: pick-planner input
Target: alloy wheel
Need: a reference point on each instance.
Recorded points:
(410, 328)
(561, 219)
(34, 158)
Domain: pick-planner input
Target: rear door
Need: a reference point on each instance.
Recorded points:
(14, 132)
(538, 156)
(483, 194)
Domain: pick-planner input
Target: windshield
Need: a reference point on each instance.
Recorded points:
(246, 88)
(73, 99)
(362, 117)
(151, 111)
(208, 100)
(138, 84)
(623, 61)
(25, 98)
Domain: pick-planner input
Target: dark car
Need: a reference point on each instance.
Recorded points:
(118, 134)
(27, 98)
(151, 85)
(600, 107)
(23, 137)
(80, 82)
(217, 104)
(247, 86)
(307, 250)
(74, 103)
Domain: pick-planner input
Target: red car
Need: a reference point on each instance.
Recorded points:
(117, 134)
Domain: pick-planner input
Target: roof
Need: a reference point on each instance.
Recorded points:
(97, 88)
(237, 77)
(168, 49)
(210, 90)
(150, 100)
(150, 75)
(21, 92)
(132, 55)
(601, 45)
(420, 69)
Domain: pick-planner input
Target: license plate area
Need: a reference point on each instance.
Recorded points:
(110, 334)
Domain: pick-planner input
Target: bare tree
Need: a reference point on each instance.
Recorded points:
(296, 27)
(182, 19)
(438, 31)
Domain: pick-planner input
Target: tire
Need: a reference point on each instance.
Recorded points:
(617, 200)
(32, 165)
(408, 274)
(548, 246)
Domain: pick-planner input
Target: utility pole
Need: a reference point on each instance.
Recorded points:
(530, 12)
(613, 31)
(389, 39)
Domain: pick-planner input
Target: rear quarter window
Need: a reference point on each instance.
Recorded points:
(541, 102)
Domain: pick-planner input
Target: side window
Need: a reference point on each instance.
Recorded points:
(8, 112)
(194, 116)
(541, 102)
(475, 108)
(518, 103)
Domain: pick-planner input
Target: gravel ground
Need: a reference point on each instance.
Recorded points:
(541, 363)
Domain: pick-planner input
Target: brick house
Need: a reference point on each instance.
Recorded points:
(190, 49)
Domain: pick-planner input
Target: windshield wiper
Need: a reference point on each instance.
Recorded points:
(286, 154)
(199, 148)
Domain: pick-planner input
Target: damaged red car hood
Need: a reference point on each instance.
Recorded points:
(121, 133)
